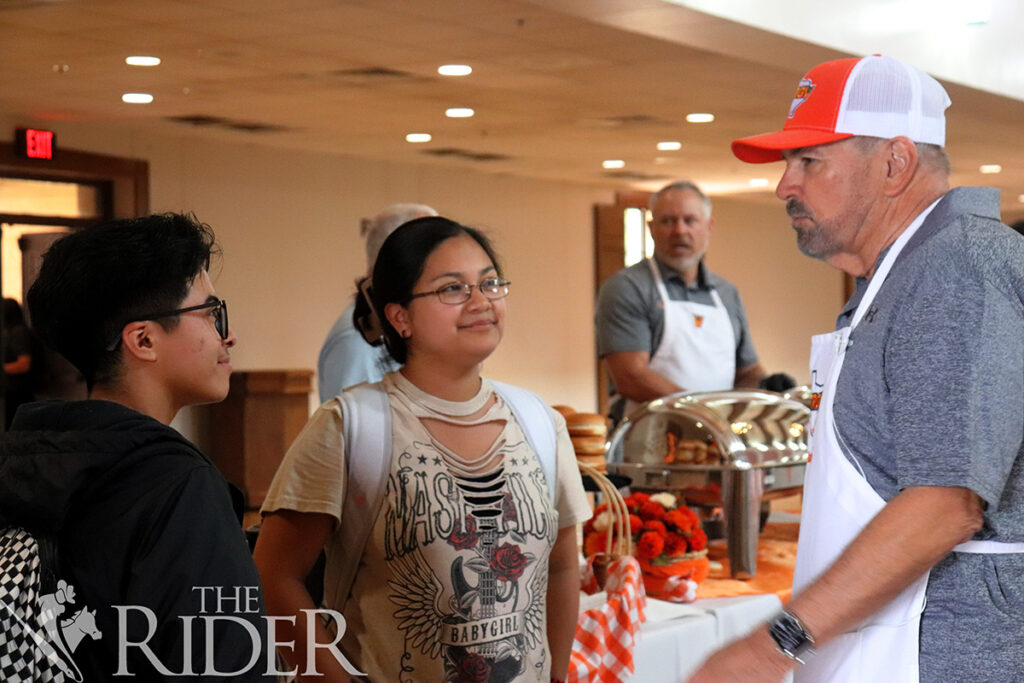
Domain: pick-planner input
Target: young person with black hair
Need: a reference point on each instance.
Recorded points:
(144, 524)
(470, 570)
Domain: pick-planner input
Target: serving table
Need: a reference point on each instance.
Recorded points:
(675, 639)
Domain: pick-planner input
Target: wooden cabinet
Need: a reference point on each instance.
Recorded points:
(248, 433)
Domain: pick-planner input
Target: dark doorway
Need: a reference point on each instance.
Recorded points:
(39, 203)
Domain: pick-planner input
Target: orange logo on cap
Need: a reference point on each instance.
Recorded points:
(698, 320)
(803, 91)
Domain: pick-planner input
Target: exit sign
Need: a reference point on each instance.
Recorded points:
(35, 144)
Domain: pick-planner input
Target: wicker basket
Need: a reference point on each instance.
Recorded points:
(620, 541)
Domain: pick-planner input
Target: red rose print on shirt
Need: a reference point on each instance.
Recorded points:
(474, 669)
(464, 540)
(508, 562)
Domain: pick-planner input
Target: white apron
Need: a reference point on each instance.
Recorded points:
(838, 503)
(698, 345)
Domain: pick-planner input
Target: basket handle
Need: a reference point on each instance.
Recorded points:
(619, 543)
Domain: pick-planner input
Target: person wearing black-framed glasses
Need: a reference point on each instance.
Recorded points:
(216, 308)
(139, 517)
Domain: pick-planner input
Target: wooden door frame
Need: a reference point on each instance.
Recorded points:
(609, 258)
(128, 178)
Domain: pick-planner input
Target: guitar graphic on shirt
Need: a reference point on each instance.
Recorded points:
(491, 624)
(495, 639)
(485, 590)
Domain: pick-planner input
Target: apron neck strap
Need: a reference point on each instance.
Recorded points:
(887, 263)
(658, 282)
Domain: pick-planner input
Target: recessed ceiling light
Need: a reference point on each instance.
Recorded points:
(139, 60)
(988, 169)
(137, 98)
(459, 113)
(1020, 198)
(613, 163)
(670, 146)
(759, 182)
(455, 70)
(418, 137)
(700, 118)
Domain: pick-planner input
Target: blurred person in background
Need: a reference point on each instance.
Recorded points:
(18, 360)
(668, 324)
(353, 351)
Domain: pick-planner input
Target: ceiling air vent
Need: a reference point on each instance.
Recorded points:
(629, 121)
(253, 127)
(634, 175)
(465, 154)
(198, 120)
(27, 4)
(201, 120)
(372, 72)
(372, 75)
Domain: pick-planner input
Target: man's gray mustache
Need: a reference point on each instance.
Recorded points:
(794, 209)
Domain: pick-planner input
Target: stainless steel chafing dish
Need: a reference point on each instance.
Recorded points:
(734, 449)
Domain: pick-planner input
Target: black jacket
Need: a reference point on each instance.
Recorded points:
(142, 520)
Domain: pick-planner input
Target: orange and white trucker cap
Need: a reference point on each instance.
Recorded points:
(875, 96)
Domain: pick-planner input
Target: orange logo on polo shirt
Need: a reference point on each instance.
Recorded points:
(803, 91)
(698, 320)
(815, 400)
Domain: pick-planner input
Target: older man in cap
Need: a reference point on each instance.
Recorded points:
(910, 564)
(353, 351)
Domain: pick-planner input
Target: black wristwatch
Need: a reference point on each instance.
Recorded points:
(790, 636)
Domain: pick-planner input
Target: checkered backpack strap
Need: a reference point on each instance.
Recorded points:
(27, 651)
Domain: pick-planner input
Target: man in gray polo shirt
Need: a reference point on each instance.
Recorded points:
(910, 564)
(668, 324)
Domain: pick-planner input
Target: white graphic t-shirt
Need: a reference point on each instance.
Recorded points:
(452, 583)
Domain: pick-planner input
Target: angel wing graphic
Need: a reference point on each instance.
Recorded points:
(534, 628)
(416, 591)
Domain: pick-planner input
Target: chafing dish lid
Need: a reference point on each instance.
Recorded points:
(737, 429)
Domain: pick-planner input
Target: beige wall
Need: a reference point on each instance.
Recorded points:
(788, 296)
(288, 224)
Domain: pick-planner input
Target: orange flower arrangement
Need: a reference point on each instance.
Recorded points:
(670, 543)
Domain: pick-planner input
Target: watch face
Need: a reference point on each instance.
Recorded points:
(790, 635)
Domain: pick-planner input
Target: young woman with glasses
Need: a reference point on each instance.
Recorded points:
(470, 572)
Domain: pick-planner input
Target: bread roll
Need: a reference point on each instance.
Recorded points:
(564, 410)
(586, 424)
(589, 445)
(596, 461)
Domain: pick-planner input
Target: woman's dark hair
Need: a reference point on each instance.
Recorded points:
(94, 281)
(400, 264)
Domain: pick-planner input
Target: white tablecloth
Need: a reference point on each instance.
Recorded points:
(676, 639)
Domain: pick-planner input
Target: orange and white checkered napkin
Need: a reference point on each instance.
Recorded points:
(606, 635)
